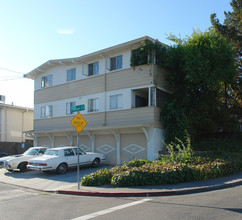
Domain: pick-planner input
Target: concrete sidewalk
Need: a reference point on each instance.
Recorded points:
(161, 190)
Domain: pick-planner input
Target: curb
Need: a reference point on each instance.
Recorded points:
(150, 194)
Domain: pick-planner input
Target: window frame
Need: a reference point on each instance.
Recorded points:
(118, 102)
(93, 105)
(71, 74)
(46, 81)
(92, 71)
(46, 109)
(116, 63)
(69, 109)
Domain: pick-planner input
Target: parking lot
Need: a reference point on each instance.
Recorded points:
(45, 181)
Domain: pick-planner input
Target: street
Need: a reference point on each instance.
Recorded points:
(21, 203)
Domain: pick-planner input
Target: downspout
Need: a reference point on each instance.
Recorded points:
(6, 127)
(105, 90)
(22, 138)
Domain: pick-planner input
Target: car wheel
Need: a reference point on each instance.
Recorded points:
(62, 168)
(96, 163)
(23, 167)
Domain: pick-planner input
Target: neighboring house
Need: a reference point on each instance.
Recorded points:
(122, 104)
(14, 121)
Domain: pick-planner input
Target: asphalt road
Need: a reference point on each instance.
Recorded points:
(21, 203)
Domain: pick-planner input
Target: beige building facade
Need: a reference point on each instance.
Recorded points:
(122, 103)
(14, 122)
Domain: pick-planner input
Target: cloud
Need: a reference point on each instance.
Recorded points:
(65, 31)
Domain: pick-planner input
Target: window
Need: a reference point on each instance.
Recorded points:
(71, 74)
(116, 102)
(46, 111)
(47, 81)
(116, 63)
(69, 106)
(69, 152)
(93, 69)
(81, 152)
(93, 105)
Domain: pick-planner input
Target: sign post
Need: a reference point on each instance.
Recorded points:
(78, 123)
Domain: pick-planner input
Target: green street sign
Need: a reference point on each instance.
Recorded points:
(78, 108)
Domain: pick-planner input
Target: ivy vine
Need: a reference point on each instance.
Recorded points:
(149, 52)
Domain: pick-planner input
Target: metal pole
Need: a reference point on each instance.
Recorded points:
(78, 162)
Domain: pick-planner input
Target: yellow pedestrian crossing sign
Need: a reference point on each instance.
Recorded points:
(78, 122)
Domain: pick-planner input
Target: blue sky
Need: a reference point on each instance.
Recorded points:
(35, 31)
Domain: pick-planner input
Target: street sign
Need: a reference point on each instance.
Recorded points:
(78, 122)
(78, 108)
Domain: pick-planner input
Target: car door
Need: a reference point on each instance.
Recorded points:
(84, 158)
(70, 157)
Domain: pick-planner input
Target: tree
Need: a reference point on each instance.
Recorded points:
(232, 28)
(201, 67)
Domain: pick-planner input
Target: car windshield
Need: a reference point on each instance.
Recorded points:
(51, 152)
(31, 151)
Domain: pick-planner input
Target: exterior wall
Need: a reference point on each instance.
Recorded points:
(133, 146)
(116, 80)
(61, 141)
(14, 121)
(106, 144)
(121, 134)
(84, 142)
(59, 70)
(129, 117)
(159, 77)
(138, 142)
(43, 141)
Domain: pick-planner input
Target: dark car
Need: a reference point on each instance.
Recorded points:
(3, 154)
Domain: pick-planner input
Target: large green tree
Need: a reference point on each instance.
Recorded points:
(201, 69)
(232, 27)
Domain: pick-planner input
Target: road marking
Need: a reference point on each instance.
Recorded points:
(113, 209)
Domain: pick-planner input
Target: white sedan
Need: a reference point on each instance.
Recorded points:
(61, 158)
(20, 161)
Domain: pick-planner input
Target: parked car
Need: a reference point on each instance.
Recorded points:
(20, 161)
(61, 158)
(3, 154)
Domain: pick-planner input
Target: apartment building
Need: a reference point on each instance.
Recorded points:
(122, 103)
(14, 121)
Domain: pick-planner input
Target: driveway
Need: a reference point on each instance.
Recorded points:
(45, 181)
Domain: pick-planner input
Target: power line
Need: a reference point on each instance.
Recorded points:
(7, 79)
(13, 71)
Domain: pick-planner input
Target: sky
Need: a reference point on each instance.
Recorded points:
(35, 31)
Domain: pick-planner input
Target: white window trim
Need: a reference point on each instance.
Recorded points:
(117, 105)
(95, 105)
(71, 79)
(116, 65)
(93, 72)
(69, 111)
(44, 109)
(44, 81)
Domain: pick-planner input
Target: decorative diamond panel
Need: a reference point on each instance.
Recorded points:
(106, 148)
(133, 149)
(84, 147)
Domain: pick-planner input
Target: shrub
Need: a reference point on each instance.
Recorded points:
(99, 178)
(179, 150)
(144, 172)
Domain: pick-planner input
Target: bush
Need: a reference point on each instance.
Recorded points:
(144, 172)
(99, 178)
